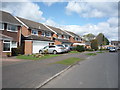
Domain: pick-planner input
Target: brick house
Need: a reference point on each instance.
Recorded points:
(116, 44)
(34, 36)
(60, 36)
(10, 36)
(75, 39)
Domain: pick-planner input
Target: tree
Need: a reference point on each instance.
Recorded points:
(94, 44)
(80, 48)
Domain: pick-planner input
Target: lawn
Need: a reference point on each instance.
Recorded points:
(91, 54)
(100, 52)
(68, 61)
(74, 52)
(31, 57)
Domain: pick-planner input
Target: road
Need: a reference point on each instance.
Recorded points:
(100, 71)
(30, 73)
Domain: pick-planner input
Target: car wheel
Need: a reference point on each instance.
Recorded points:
(54, 52)
(40, 52)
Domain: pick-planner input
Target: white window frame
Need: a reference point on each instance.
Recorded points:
(42, 33)
(33, 33)
(2, 26)
(60, 36)
(7, 42)
(14, 46)
(48, 34)
(10, 29)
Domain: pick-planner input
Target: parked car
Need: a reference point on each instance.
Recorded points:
(53, 49)
(112, 49)
(67, 48)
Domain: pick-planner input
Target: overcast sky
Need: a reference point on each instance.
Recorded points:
(78, 17)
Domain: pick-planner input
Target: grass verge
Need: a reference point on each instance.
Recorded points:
(100, 52)
(68, 61)
(91, 54)
(30, 57)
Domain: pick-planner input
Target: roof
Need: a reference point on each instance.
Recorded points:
(63, 40)
(57, 30)
(40, 38)
(73, 34)
(8, 18)
(4, 37)
(34, 25)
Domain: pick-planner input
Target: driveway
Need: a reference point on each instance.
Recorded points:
(30, 74)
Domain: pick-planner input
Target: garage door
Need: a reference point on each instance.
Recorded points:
(37, 45)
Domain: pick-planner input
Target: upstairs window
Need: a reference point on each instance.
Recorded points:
(66, 37)
(12, 28)
(1, 26)
(43, 33)
(34, 32)
(48, 34)
(60, 36)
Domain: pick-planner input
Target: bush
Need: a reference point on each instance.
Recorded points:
(94, 44)
(80, 48)
(17, 51)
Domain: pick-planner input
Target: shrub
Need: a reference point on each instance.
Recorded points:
(80, 48)
(17, 51)
(94, 44)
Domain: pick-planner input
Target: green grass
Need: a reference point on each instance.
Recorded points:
(91, 54)
(100, 52)
(68, 61)
(74, 52)
(30, 57)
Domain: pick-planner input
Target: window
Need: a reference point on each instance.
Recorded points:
(6, 46)
(12, 28)
(34, 32)
(43, 33)
(14, 44)
(60, 36)
(66, 37)
(1, 26)
(51, 46)
(48, 34)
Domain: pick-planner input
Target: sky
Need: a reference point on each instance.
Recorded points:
(79, 17)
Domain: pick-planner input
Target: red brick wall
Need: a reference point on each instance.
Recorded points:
(28, 47)
(25, 31)
(57, 42)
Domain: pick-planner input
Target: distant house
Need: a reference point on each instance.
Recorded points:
(10, 36)
(116, 43)
(60, 36)
(35, 36)
(75, 39)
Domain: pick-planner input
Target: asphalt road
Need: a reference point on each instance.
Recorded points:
(100, 71)
(30, 73)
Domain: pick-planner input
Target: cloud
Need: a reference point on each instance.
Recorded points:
(28, 10)
(92, 9)
(109, 29)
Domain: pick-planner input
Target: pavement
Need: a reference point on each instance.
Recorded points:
(30, 74)
(100, 71)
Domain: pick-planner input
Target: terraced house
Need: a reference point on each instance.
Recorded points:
(10, 36)
(31, 35)
(35, 36)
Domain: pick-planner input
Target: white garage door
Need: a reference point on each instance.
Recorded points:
(37, 45)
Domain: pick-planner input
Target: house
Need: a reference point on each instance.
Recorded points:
(116, 44)
(10, 36)
(75, 39)
(35, 36)
(60, 36)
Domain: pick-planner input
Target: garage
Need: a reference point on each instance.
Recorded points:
(37, 45)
